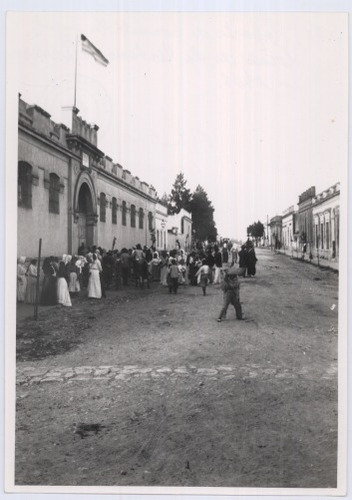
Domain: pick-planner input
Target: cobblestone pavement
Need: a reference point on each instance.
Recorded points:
(29, 375)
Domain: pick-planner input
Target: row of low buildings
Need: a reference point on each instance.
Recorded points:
(70, 192)
(313, 227)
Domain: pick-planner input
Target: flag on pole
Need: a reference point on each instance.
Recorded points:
(88, 47)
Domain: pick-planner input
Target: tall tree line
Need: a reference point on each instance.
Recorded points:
(197, 203)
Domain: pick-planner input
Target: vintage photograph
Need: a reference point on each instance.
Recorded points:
(181, 224)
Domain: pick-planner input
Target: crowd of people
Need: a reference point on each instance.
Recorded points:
(95, 270)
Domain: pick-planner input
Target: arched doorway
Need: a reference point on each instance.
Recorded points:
(86, 218)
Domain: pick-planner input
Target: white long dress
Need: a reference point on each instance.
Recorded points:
(94, 285)
(63, 296)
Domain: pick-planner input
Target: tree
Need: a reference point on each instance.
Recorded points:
(164, 200)
(202, 216)
(180, 196)
(256, 230)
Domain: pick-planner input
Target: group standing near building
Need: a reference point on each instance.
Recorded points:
(93, 271)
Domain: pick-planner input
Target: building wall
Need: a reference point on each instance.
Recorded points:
(74, 157)
(125, 235)
(161, 234)
(305, 218)
(276, 232)
(180, 230)
(326, 224)
(37, 222)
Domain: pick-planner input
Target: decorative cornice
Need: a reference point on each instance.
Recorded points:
(123, 183)
(45, 139)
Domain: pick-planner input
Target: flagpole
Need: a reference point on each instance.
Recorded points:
(75, 90)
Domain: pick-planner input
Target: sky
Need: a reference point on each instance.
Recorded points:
(251, 106)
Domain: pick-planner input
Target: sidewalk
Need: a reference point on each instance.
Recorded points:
(323, 263)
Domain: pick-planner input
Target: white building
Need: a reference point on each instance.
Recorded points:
(326, 223)
(288, 228)
(179, 228)
(161, 233)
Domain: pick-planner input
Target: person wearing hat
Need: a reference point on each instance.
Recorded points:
(231, 289)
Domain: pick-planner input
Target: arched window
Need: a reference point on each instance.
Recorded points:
(114, 211)
(54, 194)
(141, 218)
(133, 216)
(124, 212)
(102, 207)
(150, 221)
(24, 185)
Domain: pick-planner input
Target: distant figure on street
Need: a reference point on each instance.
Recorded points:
(144, 273)
(21, 279)
(63, 295)
(94, 284)
(48, 295)
(218, 266)
(31, 289)
(173, 276)
(251, 260)
(203, 272)
(163, 268)
(231, 289)
(243, 260)
(125, 265)
(225, 257)
(234, 255)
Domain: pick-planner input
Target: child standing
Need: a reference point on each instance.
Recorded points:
(231, 288)
(203, 273)
(173, 276)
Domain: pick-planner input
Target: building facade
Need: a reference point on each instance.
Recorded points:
(180, 230)
(70, 192)
(326, 223)
(161, 221)
(276, 232)
(305, 219)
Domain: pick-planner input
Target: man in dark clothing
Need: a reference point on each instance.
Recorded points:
(251, 261)
(125, 265)
(243, 262)
(108, 266)
(231, 288)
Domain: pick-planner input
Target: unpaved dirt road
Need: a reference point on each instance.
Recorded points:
(146, 388)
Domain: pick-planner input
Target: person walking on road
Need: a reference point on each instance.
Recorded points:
(203, 272)
(231, 288)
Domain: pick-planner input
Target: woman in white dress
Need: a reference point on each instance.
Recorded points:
(63, 295)
(164, 268)
(31, 289)
(94, 285)
(21, 279)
